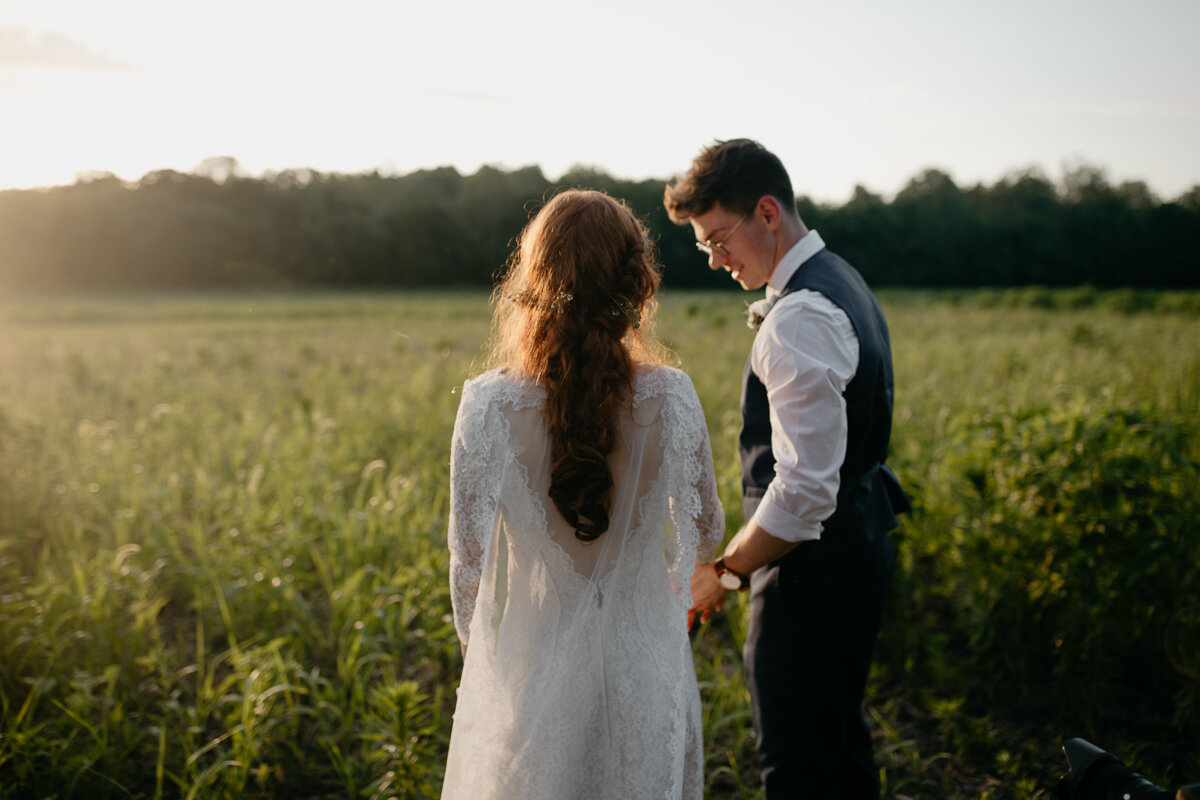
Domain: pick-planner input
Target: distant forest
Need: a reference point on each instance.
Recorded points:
(217, 228)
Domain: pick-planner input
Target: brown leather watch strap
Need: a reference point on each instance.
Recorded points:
(743, 580)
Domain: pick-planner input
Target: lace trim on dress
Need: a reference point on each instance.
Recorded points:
(475, 489)
(695, 509)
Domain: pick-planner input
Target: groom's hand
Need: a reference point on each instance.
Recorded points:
(707, 594)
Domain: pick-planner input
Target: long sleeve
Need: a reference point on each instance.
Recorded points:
(474, 493)
(696, 512)
(711, 523)
(806, 353)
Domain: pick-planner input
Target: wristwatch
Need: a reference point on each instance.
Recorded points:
(733, 581)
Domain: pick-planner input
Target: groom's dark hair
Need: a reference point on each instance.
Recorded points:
(734, 173)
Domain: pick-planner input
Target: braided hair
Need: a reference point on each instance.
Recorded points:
(572, 314)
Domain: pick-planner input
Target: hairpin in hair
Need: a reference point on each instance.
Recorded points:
(629, 310)
(561, 301)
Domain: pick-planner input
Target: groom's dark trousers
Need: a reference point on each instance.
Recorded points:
(815, 613)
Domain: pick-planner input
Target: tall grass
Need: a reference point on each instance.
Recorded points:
(222, 537)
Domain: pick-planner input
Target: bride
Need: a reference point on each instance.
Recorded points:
(582, 492)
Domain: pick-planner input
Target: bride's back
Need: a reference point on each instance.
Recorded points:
(636, 461)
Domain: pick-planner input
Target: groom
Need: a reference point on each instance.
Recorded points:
(819, 500)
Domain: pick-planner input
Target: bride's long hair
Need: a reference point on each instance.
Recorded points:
(574, 313)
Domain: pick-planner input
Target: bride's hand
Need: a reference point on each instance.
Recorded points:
(707, 593)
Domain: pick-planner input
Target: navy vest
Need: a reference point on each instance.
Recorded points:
(869, 496)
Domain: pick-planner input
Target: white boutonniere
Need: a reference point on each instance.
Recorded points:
(757, 311)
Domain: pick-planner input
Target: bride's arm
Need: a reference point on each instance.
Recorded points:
(696, 507)
(711, 524)
(472, 509)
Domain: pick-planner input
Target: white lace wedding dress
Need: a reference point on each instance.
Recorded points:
(578, 682)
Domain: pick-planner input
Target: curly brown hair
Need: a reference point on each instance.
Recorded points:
(573, 313)
(734, 173)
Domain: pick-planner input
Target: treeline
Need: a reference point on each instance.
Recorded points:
(217, 228)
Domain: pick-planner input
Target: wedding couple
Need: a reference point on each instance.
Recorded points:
(585, 521)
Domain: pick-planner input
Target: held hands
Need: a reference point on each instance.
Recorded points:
(707, 594)
(751, 548)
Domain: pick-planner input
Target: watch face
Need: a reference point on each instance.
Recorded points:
(730, 581)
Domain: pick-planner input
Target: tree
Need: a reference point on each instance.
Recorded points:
(217, 227)
(219, 169)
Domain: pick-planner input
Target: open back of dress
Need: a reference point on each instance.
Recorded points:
(578, 680)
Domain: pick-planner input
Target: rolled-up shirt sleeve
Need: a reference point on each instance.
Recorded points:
(805, 353)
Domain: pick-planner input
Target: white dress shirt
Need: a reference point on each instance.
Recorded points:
(805, 353)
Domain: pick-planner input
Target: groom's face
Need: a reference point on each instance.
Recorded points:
(737, 249)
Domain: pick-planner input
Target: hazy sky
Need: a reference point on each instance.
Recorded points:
(845, 91)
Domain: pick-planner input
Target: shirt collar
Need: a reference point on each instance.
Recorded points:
(809, 245)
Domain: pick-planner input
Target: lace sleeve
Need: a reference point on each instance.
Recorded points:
(711, 523)
(697, 516)
(474, 493)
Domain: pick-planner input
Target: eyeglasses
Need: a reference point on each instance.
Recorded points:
(708, 247)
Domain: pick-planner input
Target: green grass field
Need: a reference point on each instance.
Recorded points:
(222, 541)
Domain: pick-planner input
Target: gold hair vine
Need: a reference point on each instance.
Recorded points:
(528, 297)
(622, 306)
(630, 311)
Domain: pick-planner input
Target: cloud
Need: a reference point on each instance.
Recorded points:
(24, 49)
